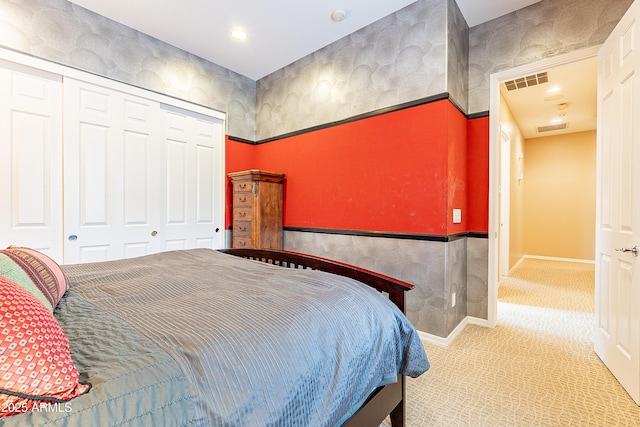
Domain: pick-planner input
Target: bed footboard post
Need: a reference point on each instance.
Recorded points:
(397, 415)
(398, 298)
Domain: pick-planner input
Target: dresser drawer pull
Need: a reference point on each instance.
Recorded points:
(242, 214)
(242, 199)
(242, 185)
(242, 228)
(242, 243)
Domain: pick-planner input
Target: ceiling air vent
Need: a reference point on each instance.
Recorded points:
(522, 82)
(550, 128)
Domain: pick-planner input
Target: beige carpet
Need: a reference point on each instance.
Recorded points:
(536, 368)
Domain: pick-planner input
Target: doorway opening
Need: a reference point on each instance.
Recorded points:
(504, 172)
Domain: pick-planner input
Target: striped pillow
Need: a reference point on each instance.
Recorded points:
(35, 360)
(35, 272)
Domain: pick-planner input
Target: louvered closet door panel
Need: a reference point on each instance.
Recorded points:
(112, 173)
(31, 159)
(195, 173)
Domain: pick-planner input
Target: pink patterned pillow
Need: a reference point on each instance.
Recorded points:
(35, 359)
(35, 272)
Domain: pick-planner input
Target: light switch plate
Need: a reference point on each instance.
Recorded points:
(457, 216)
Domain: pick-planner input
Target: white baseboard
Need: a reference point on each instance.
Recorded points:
(478, 321)
(549, 258)
(517, 264)
(444, 342)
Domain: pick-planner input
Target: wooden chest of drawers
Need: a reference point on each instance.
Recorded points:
(257, 209)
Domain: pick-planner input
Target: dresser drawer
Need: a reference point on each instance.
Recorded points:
(242, 228)
(242, 242)
(242, 186)
(242, 214)
(242, 200)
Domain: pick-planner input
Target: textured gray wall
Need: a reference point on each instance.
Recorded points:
(457, 56)
(421, 263)
(437, 269)
(455, 282)
(397, 59)
(477, 282)
(542, 30)
(62, 32)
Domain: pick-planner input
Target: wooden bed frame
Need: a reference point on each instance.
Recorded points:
(388, 400)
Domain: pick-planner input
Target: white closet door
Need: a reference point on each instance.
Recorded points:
(194, 147)
(140, 176)
(31, 159)
(112, 174)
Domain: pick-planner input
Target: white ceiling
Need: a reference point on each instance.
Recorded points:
(574, 103)
(478, 11)
(279, 31)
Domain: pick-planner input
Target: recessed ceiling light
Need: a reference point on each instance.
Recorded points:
(238, 34)
(553, 89)
(556, 120)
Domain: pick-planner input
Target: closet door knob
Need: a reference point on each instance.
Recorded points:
(154, 233)
(73, 238)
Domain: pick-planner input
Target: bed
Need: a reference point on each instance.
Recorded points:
(231, 338)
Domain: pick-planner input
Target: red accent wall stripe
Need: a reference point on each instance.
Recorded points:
(457, 169)
(478, 174)
(402, 172)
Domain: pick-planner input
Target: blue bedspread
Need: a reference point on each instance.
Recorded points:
(258, 345)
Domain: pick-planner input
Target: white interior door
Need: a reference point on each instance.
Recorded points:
(31, 159)
(617, 308)
(112, 174)
(194, 146)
